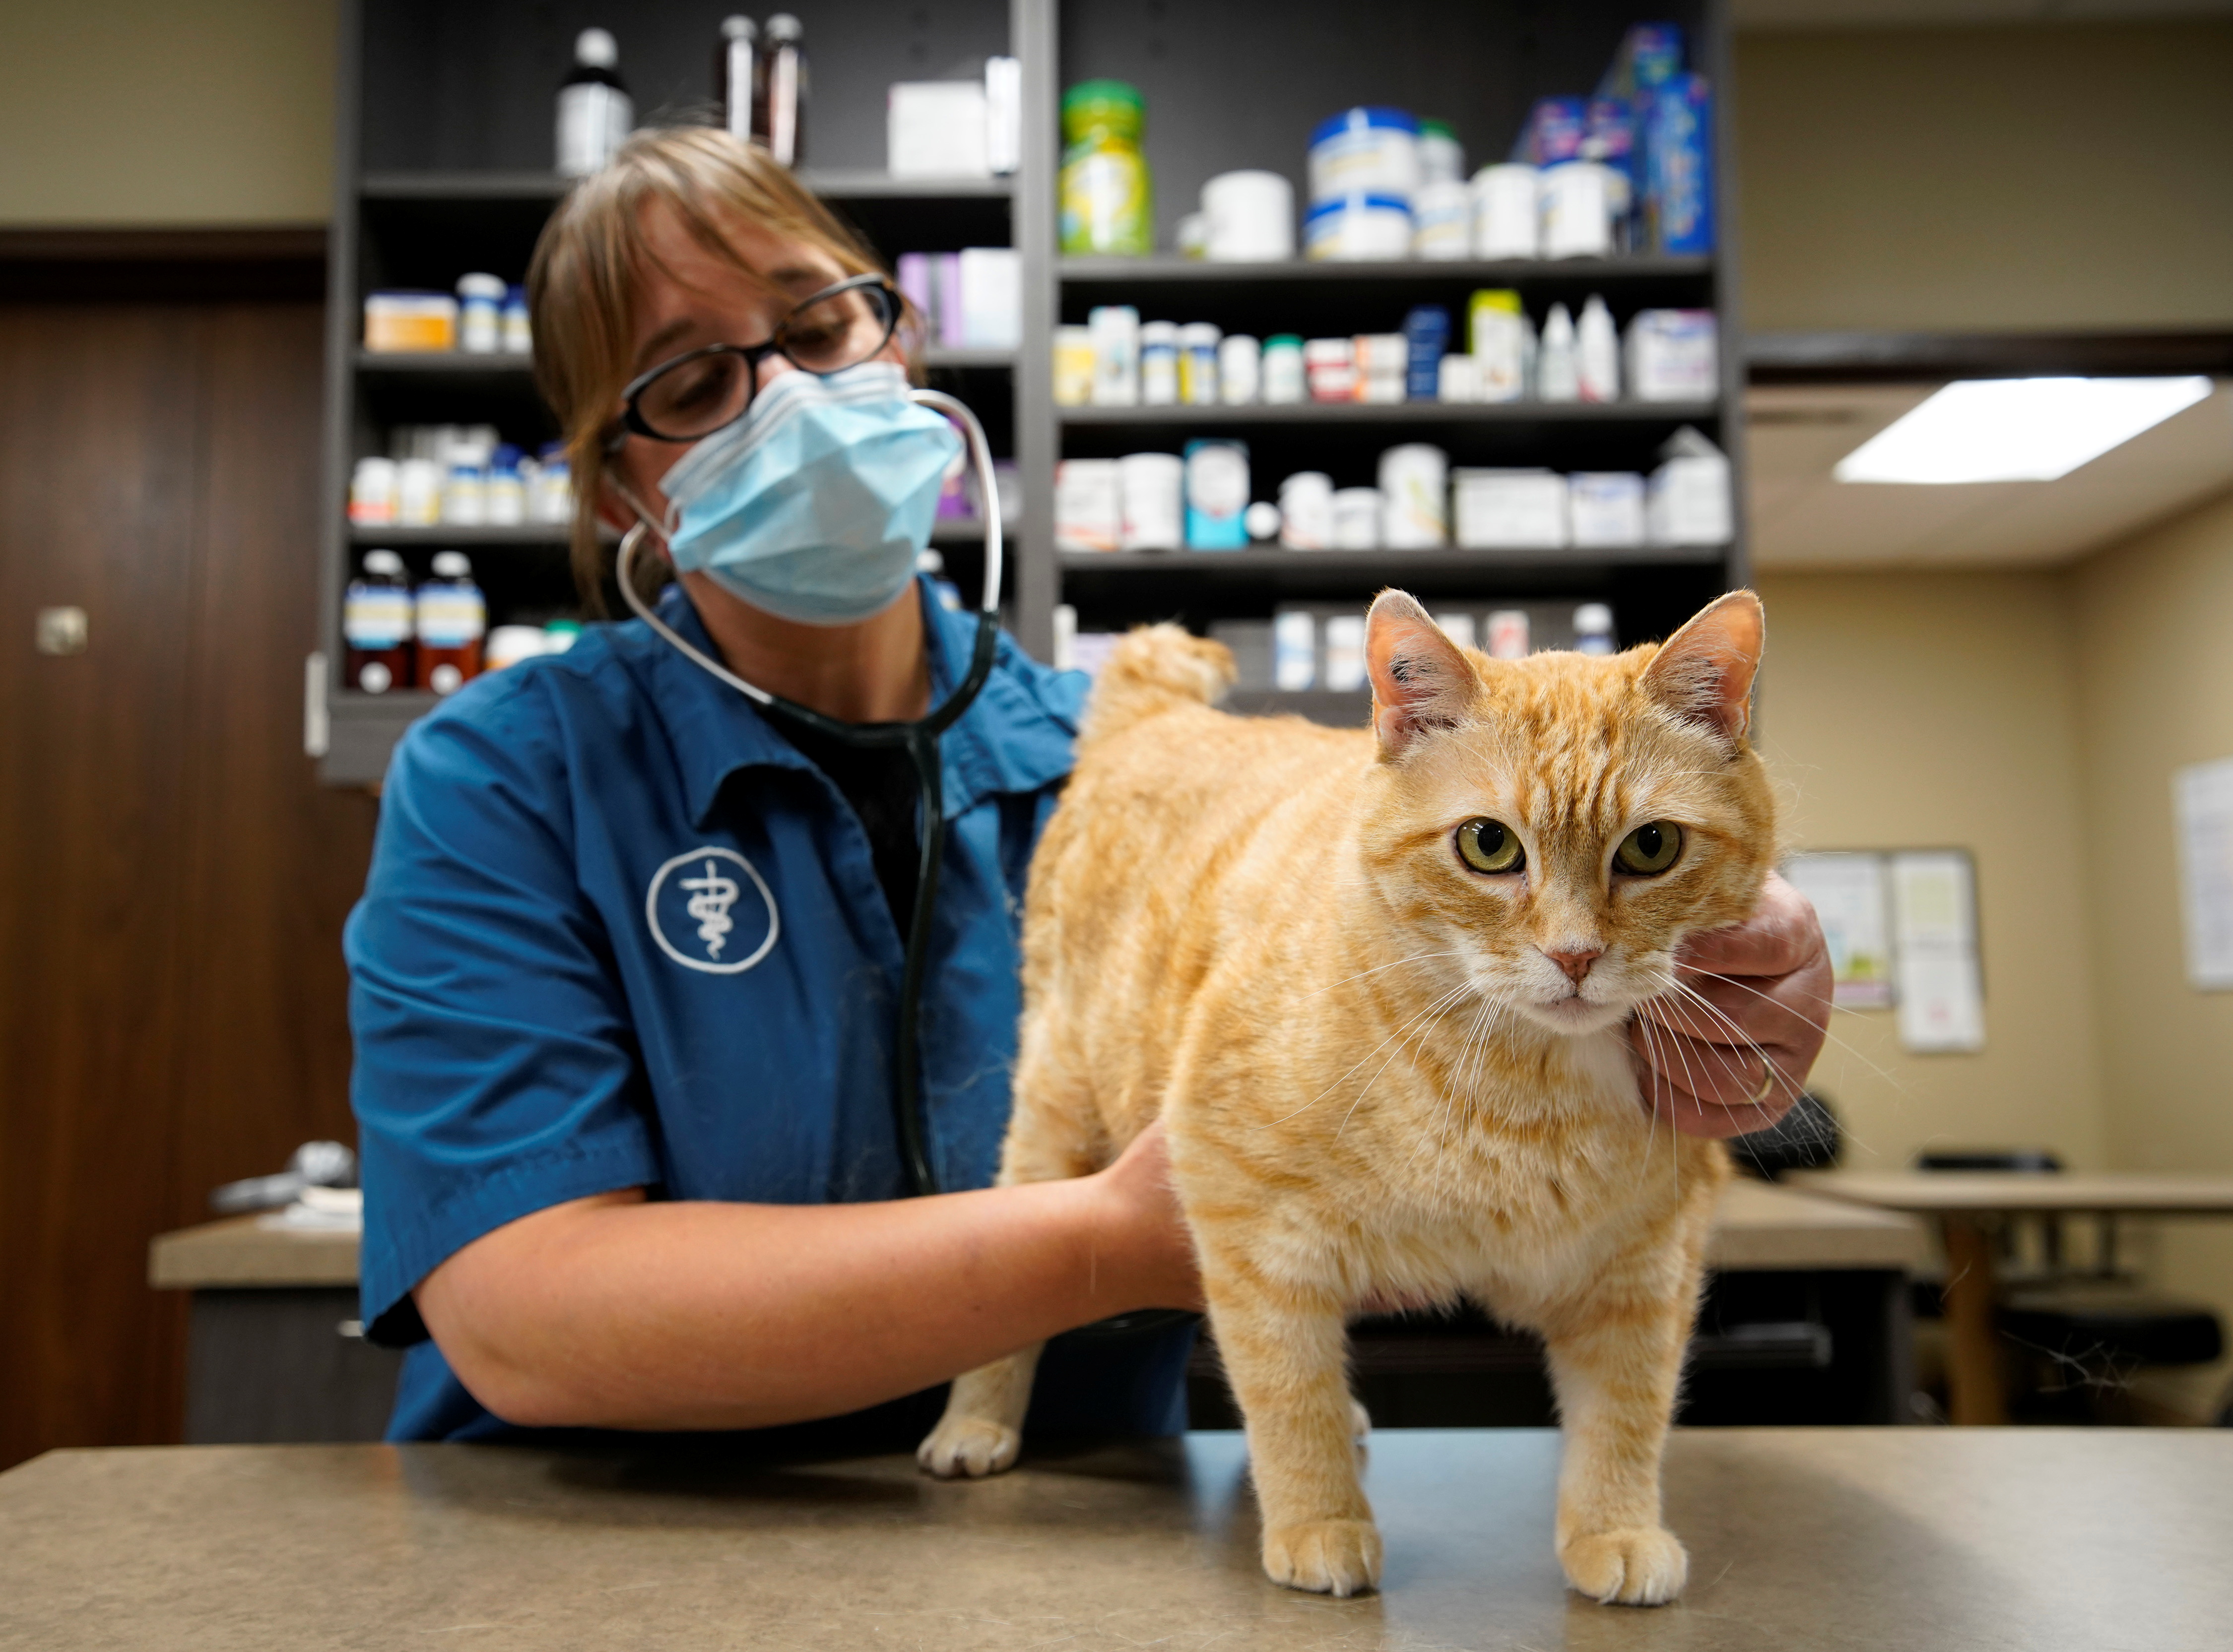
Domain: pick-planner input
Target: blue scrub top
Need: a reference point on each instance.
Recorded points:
(619, 932)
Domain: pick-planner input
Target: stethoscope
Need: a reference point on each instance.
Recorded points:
(919, 740)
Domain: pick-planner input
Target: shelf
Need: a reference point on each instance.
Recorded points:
(1370, 565)
(463, 186)
(457, 363)
(955, 356)
(848, 184)
(456, 536)
(1107, 271)
(1324, 414)
(834, 183)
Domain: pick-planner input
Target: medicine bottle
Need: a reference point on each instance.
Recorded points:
(779, 90)
(734, 74)
(1593, 629)
(594, 110)
(376, 626)
(451, 616)
(480, 313)
(1107, 200)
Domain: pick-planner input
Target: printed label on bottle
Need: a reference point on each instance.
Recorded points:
(451, 619)
(376, 617)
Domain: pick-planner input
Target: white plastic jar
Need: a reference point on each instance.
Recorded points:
(1441, 221)
(1249, 218)
(1358, 227)
(1415, 485)
(1357, 519)
(1506, 212)
(1284, 379)
(1239, 370)
(1364, 152)
(1151, 492)
(1306, 511)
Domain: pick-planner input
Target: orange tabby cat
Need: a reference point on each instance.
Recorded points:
(1377, 984)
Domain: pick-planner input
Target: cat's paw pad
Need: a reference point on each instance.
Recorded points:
(1636, 1567)
(1326, 1556)
(968, 1446)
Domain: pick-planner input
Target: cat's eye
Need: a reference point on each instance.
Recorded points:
(1648, 849)
(1490, 846)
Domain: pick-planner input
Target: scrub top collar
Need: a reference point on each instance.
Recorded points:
(1015, 737)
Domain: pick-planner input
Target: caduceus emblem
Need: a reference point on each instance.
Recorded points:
(727, 940)
(711, 897)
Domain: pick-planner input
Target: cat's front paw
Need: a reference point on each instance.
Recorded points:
(1636, 1567)
(970, 1446)
(1326, 1556)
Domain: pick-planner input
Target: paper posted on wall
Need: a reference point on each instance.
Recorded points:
(1942, 1001)
(2203, 796)
(1848, 893)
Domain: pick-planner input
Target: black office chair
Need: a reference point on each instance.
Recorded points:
(2083, 1331)
(1806, 1138)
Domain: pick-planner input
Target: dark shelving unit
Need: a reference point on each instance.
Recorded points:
(444, 116)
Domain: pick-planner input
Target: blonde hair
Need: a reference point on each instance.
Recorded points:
(584, 287)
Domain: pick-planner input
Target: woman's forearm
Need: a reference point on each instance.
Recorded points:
(617, 1312)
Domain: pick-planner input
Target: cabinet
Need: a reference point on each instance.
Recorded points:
(444, 139)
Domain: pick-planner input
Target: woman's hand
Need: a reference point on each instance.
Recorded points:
(1154, 1247)
(1736, 1063)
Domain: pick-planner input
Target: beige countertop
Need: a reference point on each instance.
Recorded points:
(1858, 1539)
(241, 1252)
(2109, 1192)
(1760, 1227)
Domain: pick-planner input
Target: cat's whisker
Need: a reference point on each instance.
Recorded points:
(1850, 1049)
(1414, 959)
(1438, 1003)
(1742, 1038)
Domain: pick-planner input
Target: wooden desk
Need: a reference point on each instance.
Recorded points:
(268, 1361)
(1959, 1201)
(1860, 1540)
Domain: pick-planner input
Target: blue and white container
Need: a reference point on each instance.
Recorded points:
(1217, 494)
(1678, 167)
(1358, 228)
(1426, 341)
(1364, 152)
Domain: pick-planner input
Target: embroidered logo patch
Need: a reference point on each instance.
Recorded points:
(703, 913)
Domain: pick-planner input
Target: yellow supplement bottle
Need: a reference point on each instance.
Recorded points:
(1107, 201)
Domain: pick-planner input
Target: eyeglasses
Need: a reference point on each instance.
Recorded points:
(696, 393)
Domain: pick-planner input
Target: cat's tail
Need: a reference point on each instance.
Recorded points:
(1156, 669)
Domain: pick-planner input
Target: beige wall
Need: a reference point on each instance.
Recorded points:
(1904, 710)
(2069, 176)
(166, 111)
(2155, 693)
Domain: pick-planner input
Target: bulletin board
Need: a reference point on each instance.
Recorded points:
(1902, 929)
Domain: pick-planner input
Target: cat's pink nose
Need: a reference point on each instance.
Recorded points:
(1576, 964)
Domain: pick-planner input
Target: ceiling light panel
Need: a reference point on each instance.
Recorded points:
(2016, 430)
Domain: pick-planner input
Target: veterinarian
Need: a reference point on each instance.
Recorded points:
(626, 975)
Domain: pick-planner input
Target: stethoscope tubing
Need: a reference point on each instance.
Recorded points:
(920, 739)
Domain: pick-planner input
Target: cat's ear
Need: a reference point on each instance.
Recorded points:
(1420, 680)
(1704, 672)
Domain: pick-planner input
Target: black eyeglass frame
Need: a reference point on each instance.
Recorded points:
(632, 419)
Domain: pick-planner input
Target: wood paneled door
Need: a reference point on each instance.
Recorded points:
(172, 878)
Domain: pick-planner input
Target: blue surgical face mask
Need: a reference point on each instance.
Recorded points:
(816, 503)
